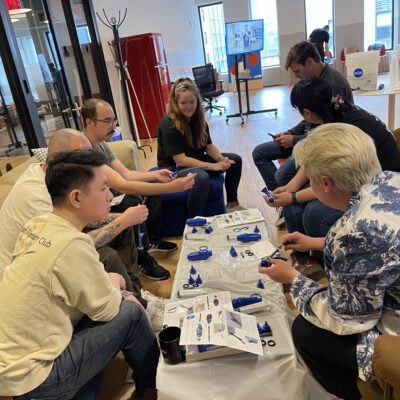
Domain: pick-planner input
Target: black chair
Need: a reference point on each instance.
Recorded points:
(205, 81)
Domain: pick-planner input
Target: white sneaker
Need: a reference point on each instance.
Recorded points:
(156, 312)
(281, 219)
(235, 208)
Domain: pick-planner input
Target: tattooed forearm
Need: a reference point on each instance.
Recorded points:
(104, 235)
(98, 224)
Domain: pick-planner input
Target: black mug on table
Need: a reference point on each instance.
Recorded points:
(172, 352)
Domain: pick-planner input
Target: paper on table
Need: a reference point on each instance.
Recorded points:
(222, 327)
(239, 218)
(175, 312)
(262, 249)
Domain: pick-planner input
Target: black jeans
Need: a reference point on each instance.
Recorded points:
(153, 222)
(330, 357)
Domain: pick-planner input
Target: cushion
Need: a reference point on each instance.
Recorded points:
(40, 154)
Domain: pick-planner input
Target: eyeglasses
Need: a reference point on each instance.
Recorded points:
(107, 121)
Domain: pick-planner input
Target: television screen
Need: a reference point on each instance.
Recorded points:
(244, 36)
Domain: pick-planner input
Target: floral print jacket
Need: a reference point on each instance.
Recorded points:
(362, 264)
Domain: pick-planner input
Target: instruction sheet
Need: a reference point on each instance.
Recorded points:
(175, 312)
(239, 218)
(222, 327)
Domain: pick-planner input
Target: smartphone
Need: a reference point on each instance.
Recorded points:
(270, 134)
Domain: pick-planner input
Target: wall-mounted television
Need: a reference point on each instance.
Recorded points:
(244, 36)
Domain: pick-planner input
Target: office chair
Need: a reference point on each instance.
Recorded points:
(206, 83)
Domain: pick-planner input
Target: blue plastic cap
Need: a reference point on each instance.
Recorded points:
(199, 281)
(260, 285)
(192, 270)
(265, 263)
(256, 230)
(191, 281)
(194, 230)
(271, 200)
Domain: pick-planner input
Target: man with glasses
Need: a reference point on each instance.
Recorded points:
(100, 122)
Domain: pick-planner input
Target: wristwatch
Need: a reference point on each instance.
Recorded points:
(125, 293)
(294, 198)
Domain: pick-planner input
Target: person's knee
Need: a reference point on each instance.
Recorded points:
(259, 153)
(301, 332)
(201, 179)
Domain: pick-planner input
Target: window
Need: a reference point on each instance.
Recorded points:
(212, 24)
(378, 25)
(318, 14)
(266, 10)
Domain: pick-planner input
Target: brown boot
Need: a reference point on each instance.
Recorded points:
(144, 394)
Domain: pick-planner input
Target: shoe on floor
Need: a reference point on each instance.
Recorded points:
(281, 219)
(162, 246)
(144, 394)
(151, 269)
(235, 208)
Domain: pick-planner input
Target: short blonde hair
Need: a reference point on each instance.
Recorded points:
(342, 152)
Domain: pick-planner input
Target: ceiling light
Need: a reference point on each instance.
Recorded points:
(18, 11)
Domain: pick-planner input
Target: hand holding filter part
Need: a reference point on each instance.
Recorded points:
(265, 191)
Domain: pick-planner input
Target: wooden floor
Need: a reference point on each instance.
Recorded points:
(229, 137)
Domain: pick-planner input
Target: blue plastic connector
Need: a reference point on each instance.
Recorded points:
(248, 237)
(194, 230)
(209, 229)
(233, 252)
(193, 270)
(199, 281)
(191, 281)
(260, 285)
(256, 230)
(264, 330)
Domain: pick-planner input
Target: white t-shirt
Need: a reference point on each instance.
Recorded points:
(28, 198)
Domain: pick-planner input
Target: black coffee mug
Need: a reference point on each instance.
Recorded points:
(172, 352)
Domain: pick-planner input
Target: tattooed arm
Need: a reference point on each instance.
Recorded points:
(99, 224)
(131, 216)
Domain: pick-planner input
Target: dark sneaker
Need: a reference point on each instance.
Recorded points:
(162, 246)
(151, 269)
(144, 394)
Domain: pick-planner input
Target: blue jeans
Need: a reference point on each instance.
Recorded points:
(312, 218)
(198, 194)
(77, 371)
(263, 156)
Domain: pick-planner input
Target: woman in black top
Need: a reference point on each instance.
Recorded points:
(313, 99)
(184, 141)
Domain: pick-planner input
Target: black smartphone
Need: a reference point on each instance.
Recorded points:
(270, 134)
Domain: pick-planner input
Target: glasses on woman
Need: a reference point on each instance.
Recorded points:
(108, 121)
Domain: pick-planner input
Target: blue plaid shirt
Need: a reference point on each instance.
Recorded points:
(362, 264)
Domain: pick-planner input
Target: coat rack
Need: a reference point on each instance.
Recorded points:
(114, 24)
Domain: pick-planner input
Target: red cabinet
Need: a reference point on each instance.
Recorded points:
(148, 69)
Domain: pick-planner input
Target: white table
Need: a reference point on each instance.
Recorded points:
(386, 91)
(275, 375)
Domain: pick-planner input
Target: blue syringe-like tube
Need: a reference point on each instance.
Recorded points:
(265, 191)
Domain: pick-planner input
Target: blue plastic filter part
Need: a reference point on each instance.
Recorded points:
(209, 229)
(248, 237)
(191, 281)
(256, 230)
(264, 330)
(193, 270)
(245, 301)
(199, 281)
(196, 222)
(199, 255)
(233, 252)
(270, 199)
(260, 285)
(194, 230)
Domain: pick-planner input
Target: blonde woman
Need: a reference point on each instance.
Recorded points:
(184, 141)
(337, 326)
